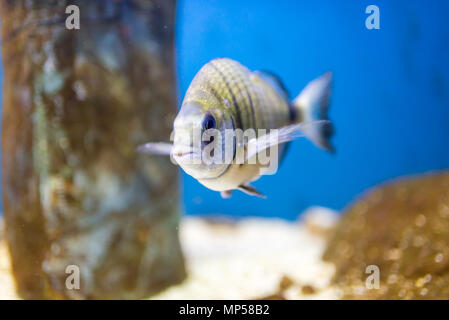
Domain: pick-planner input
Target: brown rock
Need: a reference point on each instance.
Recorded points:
(76, 104)
(308, 289)
(285, 283)
(403, 229)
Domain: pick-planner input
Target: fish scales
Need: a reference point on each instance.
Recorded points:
(253, 102)
(272, 105)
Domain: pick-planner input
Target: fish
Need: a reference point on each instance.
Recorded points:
(230, 116)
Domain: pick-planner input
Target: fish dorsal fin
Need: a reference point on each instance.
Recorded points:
(274, 81)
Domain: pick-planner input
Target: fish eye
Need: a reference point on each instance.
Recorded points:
(209, 122)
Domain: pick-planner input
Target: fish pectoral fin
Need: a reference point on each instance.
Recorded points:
(156, 148)
(249, 189)
(226, 194)
(308, 129)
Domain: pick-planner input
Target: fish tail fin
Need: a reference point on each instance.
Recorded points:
(311, 105)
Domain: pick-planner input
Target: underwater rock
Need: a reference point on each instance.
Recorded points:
(76, 104)
(402, 228)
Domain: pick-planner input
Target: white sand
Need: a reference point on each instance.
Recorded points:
(248, 259)
(243, 260)
(7, 287)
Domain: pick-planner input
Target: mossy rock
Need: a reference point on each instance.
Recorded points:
(403, 229)
(76, 104)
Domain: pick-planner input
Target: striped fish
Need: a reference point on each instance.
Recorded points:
(224, 97)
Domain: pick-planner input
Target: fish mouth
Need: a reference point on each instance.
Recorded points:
(186, 158)
(185, 152)
(182, 154)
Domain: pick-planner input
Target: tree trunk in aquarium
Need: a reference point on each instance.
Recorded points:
(76, 104)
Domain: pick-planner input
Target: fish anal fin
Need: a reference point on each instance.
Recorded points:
(226, 194)
(249, 189)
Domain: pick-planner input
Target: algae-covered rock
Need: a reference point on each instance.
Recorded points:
(403, 229)
(76, 104)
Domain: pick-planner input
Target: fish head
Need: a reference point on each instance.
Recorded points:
(202, 144)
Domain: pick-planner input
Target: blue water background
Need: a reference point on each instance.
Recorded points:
(390, 101)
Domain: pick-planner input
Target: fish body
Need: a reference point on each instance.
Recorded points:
(226, 96)
(252, 102)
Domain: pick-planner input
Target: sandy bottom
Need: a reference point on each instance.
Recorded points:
(7, 287)
(250, 259)
(256, 258)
